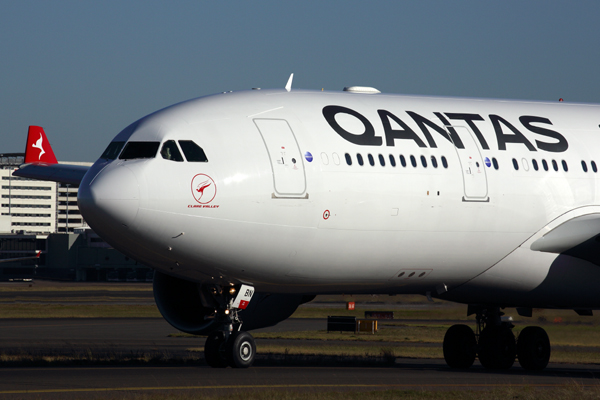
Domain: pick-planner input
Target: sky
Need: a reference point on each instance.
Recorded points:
(84, 70)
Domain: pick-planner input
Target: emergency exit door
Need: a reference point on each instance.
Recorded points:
(289, 179)
(473, 168)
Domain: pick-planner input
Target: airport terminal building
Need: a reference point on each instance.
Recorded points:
(44, 216)
(33, 206)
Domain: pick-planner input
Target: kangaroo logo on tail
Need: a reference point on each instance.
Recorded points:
(38, 145)
(37, 139)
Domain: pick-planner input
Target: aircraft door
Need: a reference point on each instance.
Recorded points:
(289, 179)
(472, 166)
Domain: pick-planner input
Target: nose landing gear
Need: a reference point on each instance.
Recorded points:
(229, 345)
(495, 344)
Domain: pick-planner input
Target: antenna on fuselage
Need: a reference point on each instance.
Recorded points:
(288, 85)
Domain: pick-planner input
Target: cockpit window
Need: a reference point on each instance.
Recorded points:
(192, 151)
(135, 150)
(112, 151)
(170, 151)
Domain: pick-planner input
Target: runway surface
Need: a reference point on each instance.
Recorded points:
(79, 382)
(70, 335)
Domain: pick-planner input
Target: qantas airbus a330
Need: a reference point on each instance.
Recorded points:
(248, 204)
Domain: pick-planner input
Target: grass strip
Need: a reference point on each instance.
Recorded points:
(453, 313)
(18, 310)
(405, 334)
(19, 287)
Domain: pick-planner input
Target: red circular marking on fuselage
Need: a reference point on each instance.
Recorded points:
(204, 188)
(326, 214)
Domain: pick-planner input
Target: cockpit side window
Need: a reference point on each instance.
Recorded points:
(170, 151)
(134, 150)
(192, 151)
(112, 151)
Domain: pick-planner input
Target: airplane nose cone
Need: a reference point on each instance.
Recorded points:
(111, 199)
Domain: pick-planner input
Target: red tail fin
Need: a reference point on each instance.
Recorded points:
(38, 147)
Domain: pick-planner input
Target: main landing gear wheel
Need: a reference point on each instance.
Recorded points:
(241, 350)
(497, 347)
(533, 348)
(459, 346)
(212, 350)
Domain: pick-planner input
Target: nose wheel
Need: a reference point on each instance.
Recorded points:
(214, 350)
(240, 350)
(236, 351)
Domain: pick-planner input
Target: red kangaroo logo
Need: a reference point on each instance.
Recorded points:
(201, 188)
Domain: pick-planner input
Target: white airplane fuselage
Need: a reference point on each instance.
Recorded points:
(278, 206)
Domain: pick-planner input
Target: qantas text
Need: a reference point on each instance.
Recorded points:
(506, 132)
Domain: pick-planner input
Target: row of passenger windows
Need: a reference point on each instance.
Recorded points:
(434, 163)
(169, 151)
(392, 160)
(554, 163)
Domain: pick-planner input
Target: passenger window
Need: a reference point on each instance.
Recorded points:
(434, 162)
(348, 159)
(545, 165)
(444, 162)
(584, 166)
(113, 150)
(554, 165)
(392, 160)
(565, 166)
(402, 160)
(424, 161)
(192, 151)
(515, 164)
(381, 160)
(535, 164)
(170, 151)
(371, 160)
(335, 158)
(359, 159)
(413, 161)
(594, 168)
(135, 150)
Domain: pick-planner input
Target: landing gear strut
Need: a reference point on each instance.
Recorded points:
(229, 345)
(495, 345)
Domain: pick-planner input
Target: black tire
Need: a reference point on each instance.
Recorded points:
(241, 350)
(213, 354)
(497, 347)
(459, 346)
(533, 348)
